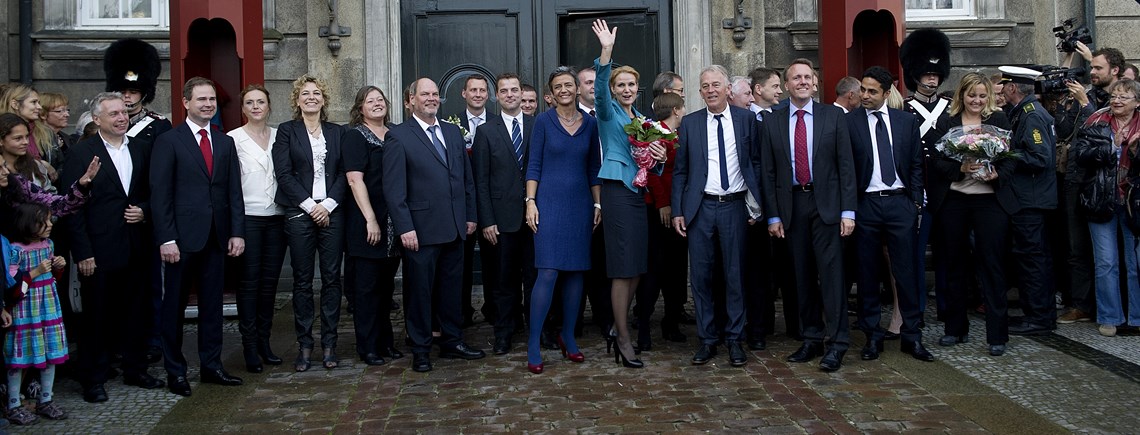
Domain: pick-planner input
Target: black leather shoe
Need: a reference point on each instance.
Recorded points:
(673, 333)
(1030, 329)
(736, 354)
(421, 362)
(997, 349)
(890, 335)
(153, 354)
(462, 351)
(254, 368)
(757, 344)
(918, 351)
(95, 394)
(872, 350)
(372, 359)
(832, 360)
(145, 381)
(950, 340)
(704, 354)
(392, 353)
(502, 346)
(220, 377)
(178, 385)
(806, 352)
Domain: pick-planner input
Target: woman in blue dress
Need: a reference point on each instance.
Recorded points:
(561, 180)
(626, 230)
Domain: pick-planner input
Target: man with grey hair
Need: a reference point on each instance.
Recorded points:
(111, 241)
(668, 81)
(847, 94)
(740, 93)
(716, 167)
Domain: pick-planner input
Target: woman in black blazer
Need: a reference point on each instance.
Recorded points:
(311, 185)
(962, 205)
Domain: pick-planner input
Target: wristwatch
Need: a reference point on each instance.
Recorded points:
(528, 199)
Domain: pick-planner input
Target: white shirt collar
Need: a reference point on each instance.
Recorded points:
(723, 112)
(882, 110)
(508, 119)
(126, 139)
(195, 128)
(423, 125)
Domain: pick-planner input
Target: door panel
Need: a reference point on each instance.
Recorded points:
(636, 46)
(448, 41)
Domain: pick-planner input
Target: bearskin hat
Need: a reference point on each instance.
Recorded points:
(132, 64)
(925, 51)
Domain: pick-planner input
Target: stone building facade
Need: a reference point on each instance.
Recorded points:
(67, 45)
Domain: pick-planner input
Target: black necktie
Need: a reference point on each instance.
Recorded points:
(723, 159)
(886, 155)
(438, 145)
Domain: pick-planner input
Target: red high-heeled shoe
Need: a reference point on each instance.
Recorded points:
(534, 368)
(575, 357)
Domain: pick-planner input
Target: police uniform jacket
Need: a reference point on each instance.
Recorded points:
(1034, 177)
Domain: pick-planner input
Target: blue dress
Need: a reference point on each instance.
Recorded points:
(565, 167)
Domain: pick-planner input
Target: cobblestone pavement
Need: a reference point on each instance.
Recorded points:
(1074, 381)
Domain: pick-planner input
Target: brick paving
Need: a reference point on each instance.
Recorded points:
(1035, 388)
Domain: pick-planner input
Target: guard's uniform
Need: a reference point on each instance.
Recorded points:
(147, 125)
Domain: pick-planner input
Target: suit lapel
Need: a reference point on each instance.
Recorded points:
(192, 141)
(302, 134)
(897, 144)
(739, 121)
(137, 162)
(865, 138)
(779, 120)
(422, 135)
(528, 126)
(819, 117)
(113, 172)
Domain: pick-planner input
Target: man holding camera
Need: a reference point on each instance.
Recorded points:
(1106, 66)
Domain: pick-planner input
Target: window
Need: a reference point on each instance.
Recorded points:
(123, 13)
(920, 10)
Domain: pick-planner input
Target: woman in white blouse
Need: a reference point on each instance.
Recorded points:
(264, 226)
(310, 185)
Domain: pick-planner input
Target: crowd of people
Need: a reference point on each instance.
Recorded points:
(764, 191)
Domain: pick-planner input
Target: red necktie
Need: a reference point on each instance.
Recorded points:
(208, 154)
(803, 169)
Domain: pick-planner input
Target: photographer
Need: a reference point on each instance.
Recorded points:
(1106, 66)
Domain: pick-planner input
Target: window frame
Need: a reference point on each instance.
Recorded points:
(968, 11)
(159, 20)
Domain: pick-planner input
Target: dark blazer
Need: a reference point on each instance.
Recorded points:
(906, 145)
(942, 170)
(833, 172)
(98, 230)
(293, 163)
(186, 203)
(500, 185)
(690, 169)
(425, 194)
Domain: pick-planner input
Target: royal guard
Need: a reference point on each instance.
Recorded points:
(132, 68)
(925, 57)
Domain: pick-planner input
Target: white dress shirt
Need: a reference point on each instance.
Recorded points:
(510, 120)
(735, 178)
(876, 183)
(121, 159)
(319, 192)
(258, 183)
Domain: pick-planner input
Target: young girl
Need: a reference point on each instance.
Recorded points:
(36, 337)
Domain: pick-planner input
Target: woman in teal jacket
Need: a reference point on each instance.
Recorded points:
(622, 203)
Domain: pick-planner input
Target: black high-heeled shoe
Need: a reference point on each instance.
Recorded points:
(267, 354)
(619, 357)
(611, 339)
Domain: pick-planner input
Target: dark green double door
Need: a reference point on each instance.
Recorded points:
(448, 40)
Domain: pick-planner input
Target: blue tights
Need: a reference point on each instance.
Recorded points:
(540, 299)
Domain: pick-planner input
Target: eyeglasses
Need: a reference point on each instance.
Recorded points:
(677, 90)
(1121, 98)
(61, 110)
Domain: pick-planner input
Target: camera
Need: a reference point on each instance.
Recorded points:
(1054, 79)
(1069, 36)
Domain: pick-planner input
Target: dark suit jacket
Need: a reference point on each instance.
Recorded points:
(187, 203)
(942, 171)
(906, 145)
(425, 194)
(690, 169)
(293, 163)
(98, 230)
(833, 171)
(500, 185)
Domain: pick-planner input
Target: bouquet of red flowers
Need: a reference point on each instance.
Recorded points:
(643, 133)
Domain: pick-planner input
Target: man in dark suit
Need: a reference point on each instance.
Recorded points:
(476, 114)
(888, 153)
(717, 166)
(808, 185)
(431, 198)
(499, 161)
(111, 231)
(199, 218)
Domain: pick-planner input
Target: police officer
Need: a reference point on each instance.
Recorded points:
(1034, 182)
(132, 68)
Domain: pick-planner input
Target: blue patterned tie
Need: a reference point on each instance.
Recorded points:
(516, 138)
(438, 145)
